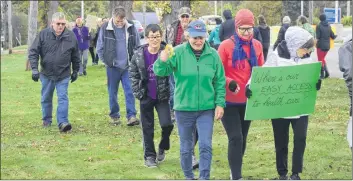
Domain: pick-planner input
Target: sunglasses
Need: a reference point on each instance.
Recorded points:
(58, 24)
(184, 16)
(243, 30)
(198, 38)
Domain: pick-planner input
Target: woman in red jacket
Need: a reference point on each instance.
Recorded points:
(238, 54)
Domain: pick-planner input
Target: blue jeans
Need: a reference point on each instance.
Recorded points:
(47, 92)
(203, 120)
(115, 75)
(172, 87)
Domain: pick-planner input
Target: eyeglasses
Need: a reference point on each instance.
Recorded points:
(198, 38)
(58, 24)
(154, 37)
(243, 30)
(184, 16)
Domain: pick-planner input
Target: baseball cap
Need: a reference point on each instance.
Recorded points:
(197, 28)
(184, 10)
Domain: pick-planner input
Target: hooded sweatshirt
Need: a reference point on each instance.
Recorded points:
(323, 34)
(214, 36)
(286, 53)
(227, 29)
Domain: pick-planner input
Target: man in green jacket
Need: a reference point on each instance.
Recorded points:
(199, 94)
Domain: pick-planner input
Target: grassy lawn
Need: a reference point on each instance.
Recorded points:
(96, 150)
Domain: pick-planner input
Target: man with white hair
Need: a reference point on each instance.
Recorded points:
(285, 25)
(57, 48)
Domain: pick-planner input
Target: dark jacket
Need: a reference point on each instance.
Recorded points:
(265, 34)
(281, 34)
(83, 37)
(227, 28)
(257, 34)
(323, 35)
(56, 54)
(96, 37)
(106, 44)
(171, 33)
(139, 78)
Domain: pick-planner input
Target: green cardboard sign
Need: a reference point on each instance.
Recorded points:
(279, 92)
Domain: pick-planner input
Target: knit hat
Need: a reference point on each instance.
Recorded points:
(286, 20)
(244, 17)
(295, 38)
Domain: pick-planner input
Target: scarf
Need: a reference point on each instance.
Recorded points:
(239, 53)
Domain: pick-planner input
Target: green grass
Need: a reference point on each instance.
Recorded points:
(95, 150)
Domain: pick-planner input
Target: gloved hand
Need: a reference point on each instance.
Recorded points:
(318, 84)
(73, 77)
(232, 86)
(35, 75)
(248, 92)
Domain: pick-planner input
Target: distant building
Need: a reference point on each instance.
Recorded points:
(151, 17)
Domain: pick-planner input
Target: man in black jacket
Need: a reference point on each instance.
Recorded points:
(58, 49)
(227, 28)
(286, 23)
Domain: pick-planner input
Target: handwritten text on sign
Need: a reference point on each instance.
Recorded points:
(279, 92)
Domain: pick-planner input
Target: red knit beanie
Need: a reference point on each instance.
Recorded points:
(244, 17)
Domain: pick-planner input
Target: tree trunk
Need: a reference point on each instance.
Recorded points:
(9, 16)
(4, 23)
(32, 26)
(53, 8)
(173, 16)
(127, 6)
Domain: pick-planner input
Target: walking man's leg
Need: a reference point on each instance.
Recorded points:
(63, 105)
(129, 99)
(47, 92)
(113, 76)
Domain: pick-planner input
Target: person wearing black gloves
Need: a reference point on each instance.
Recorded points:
(293, 50)
(58, 49)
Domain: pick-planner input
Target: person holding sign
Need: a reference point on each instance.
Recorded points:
(239, 54)
(293, 50)
(199, 94)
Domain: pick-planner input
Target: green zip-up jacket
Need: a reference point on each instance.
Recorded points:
(199, 84)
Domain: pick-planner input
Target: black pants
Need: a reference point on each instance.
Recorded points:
(147, 106)
(237, 131)
(265, 52)
(281, 135)
(91, 50)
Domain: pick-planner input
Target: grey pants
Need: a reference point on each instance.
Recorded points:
(83, 61)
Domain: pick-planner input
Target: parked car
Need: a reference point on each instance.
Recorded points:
(139, 28)
(210, 21)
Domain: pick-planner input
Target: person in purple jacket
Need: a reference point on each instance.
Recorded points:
(83, 39)
(153, 92)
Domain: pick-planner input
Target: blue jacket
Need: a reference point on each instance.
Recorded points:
(214, 36)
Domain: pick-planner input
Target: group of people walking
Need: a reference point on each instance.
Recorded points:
(179, 74)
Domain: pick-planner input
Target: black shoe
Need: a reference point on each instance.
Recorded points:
(64, 127)
(150, 162)
(327, 74)
(161, 155)
(84, 73)
(295, 176)
(282, 177)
